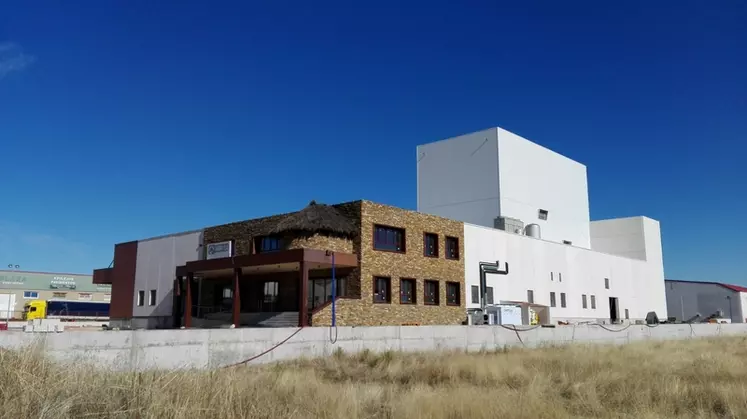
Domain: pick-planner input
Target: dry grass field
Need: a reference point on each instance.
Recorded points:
(685, 379)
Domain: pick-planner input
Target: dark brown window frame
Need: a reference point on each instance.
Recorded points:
(414, 291)
(458, 294)
(425, 292)
(258, 243)
(425, 244)
(446, 246)
(404, 238)
(389, 289)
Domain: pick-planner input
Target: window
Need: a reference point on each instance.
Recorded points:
(562, 299)
(452, 294)
(530, 296)
(152, 298)
(475, 294)
(431, 293)
(140, 298)
(593, 302)
(552, 299)
(267, 244)
(270, 292)
(382, 289)
(489, 292)
(85, 296)
(430, 245)
(227, 293)
(542, 215)
(407, 291)
(551, 277)
(389, 238)
(30, 294)
(606, 283)
(320, 290)
(583, 301)
(567, 242)
(452, 248)
(627, 314)
(560, 277)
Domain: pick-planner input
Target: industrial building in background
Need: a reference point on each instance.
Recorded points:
(17, 288)
(693, 301)
(528, 206)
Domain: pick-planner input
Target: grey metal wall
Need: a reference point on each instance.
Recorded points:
(157, 260)
(684, 299)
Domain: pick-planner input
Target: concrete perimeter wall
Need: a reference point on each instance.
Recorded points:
(184, 349)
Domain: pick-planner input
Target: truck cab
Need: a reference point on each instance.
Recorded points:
(35, 309)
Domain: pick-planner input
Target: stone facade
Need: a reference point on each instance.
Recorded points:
(410, 265)
(319, 241)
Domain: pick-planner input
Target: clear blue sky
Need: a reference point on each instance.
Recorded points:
(125, 120)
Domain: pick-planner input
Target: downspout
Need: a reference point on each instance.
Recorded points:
(485, 268)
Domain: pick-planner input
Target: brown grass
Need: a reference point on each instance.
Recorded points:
(686, 379)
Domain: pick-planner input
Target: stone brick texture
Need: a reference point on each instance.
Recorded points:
(409, 265)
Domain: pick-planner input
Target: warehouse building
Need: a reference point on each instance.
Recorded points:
(697, 300)
(18, 287)
(528, 206)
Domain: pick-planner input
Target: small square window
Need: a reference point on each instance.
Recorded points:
(140, 298)
(552, 299)
(452, 294)
(452, 248)
(382, 290)
(475, 294)
(489, 295)
(407, 291)
(430, 245)
(583, 300)
(30, 294)
(562, 299)
(431, 293)
(593, 302)
(530, 296)
(152, 298)
(606, 283)
(542, 214)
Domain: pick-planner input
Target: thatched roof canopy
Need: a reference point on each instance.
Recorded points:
(316, 218)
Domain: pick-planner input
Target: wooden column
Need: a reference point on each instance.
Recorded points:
(303, 294)
(188, 300)
(236, 297)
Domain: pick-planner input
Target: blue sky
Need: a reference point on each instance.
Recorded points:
(125, 120)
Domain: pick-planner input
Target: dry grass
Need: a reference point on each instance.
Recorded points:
(699, 378)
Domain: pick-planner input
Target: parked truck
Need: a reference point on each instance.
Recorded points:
(65, 310)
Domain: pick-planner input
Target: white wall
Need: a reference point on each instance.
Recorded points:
(619, 236)
(582, 271)
(458, 178)
(533, 178)
(685, 299)
(477, 177)
(157, 260)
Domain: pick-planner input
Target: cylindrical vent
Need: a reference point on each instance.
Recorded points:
(533, 230)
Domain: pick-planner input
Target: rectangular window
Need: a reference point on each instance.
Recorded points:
(583, 301)
(551, 277)
(593, 302)
(627, 314)
(430, 245)
(152, 298)
(389, 238)
(431, 293)
(382, 290)
(140, 298)
(567, 242)
(552, 299)
(452, 248)
(266, 244)
(85, 296)
(542, 214)
(407, 291)
(562, 299)
(475, 294)
(30, 294)
(606, 283)
(530, 296)
(560, 277)
(452, 294)
(270, 292)
(59, 295)
(489, 297)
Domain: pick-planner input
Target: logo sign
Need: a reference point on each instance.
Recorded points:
(66, 282)
(12, 280)
(219, 250)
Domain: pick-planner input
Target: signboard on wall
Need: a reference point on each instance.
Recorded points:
(219, 250)
(67, 282)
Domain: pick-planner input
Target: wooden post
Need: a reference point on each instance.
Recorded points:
(236, 297)
(303, 294)
(188, 300)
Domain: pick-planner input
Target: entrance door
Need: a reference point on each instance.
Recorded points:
(614, 310)
(270, 298)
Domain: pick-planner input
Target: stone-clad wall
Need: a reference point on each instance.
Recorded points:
(412, 264)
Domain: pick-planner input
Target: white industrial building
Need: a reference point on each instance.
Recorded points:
(688, 299)
(528, 206)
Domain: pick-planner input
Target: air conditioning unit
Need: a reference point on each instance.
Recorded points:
(508, 224)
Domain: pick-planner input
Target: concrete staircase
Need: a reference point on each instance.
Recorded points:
(274, 319)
